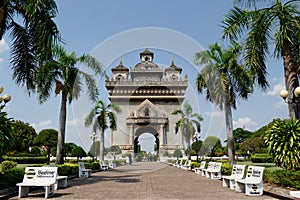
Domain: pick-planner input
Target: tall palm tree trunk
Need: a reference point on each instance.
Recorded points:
(3, 16)
(62, 130)
(102, 145)
(291, 82)
(229, 131)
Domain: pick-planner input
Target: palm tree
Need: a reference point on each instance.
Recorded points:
(33, 32)
(100, 116)
(224, 79)
(277, 25)
(62, 73)
(186, 124)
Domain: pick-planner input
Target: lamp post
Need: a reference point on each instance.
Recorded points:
(94, 137)
(195, 138)
(4, 99)
(293, 100)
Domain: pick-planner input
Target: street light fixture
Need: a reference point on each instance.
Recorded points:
(94, 137)
(294, 99)
(5, 98)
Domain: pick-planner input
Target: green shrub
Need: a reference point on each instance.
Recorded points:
(177, 153)
(10, 177)
(226, 168)
(282, 177)
(261, 158)
(195, 165)
(8, 164)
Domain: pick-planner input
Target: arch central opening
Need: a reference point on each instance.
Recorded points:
(146, 142)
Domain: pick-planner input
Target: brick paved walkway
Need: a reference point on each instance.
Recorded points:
(146, 181)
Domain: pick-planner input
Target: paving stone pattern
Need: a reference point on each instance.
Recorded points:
(146, 180)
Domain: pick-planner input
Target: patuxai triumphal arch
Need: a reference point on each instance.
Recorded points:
(147, 95)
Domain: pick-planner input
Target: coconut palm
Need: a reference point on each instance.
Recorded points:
(187, 123)
(32, 30)
(277, 26)
(224, 79)
(100, 116)
(62, 73)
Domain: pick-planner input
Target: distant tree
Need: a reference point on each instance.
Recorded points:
(115, 149)
(23, 136)
(102, 117)
(68, 148)
(253, 145)
(48, 139)
(239, 136)
(177, 153)
(212, 143)
(196, 146)
(283, 140)
(95, 149)
(78, 152)
(188, 124)
(5, 132)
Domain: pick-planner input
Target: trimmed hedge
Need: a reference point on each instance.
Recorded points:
(27, 160)
(261, 158)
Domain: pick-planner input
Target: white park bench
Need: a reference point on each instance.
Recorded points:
(209, 167)
(176, 163)
(199, 169)
(83, 172)
(214, 172)
(252, 185)
(103, 166)
(238, 172)
(187, 165)
(180, 164)
(38, 176)
(295, 194)
(61, 182)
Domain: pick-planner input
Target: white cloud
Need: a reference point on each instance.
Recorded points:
(41, 125)
(277, 87)
(3, 46)
(245, 122)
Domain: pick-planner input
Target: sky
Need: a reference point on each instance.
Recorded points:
(112, 29)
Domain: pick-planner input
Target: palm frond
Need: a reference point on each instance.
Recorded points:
(92, 63)
(45, 79)
(256, 48)
(89, 119)
(91, 84)
(22, 58)
(236, 22)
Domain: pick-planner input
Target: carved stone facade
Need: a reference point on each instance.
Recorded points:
(147, 95)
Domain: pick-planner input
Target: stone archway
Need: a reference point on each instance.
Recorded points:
(147, 95)
(142, 130)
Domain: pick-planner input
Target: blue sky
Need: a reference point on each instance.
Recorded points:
(110, 29)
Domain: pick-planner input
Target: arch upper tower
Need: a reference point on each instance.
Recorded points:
(147, 95)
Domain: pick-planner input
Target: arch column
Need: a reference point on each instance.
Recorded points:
(131, 134)
(161, 135)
